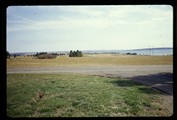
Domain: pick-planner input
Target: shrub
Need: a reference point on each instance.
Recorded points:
(131, 53)
(46, 56)
(128, 53)
(134, 53)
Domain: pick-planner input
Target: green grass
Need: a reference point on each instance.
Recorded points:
(74, 95)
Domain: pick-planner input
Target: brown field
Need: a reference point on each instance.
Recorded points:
(90, 60)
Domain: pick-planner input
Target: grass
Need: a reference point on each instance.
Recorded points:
(76, 95)
(91, 60)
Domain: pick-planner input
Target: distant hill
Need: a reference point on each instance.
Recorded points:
(153, 48)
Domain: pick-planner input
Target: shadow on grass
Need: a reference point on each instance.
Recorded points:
(161, 81)
(140, 87)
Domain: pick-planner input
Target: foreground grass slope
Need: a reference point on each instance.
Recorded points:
(88, 60)
(72, 95)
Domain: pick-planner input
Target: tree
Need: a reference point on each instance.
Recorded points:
(75, 53)
(71, 53)
(80, 54)
(8, 54)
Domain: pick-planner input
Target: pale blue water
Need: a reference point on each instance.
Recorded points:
(160, 51)
(152, 51)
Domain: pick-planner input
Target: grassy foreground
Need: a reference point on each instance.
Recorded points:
(89, 60)
(73, 95)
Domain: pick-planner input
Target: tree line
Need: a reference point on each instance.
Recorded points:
(75, 53)
(71, 54)
(44, 53)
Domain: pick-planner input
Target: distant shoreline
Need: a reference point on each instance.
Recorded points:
(143, 51)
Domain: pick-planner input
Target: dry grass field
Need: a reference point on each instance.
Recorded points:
(90, 60)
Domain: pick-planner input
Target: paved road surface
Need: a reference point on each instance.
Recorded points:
(157, 76)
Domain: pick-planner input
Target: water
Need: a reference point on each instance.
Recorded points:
(155, 51)
(152, 51)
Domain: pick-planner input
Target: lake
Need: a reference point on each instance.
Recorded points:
(146, 51)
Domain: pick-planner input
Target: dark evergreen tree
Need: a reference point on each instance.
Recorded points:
(75, 53)
(80, 54)
(71, 53)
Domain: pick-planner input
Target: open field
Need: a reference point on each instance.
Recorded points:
(76, 95)
(91, 60)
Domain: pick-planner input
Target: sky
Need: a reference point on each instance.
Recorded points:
(108, 27)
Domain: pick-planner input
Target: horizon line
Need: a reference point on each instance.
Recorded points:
(95, 50)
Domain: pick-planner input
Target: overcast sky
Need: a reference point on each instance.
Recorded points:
(58, 28)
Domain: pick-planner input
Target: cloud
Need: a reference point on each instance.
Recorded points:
(85, 10)
(100, 18)
(89, 26)
(64, 24)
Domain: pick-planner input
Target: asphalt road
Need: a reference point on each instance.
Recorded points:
(156, 76)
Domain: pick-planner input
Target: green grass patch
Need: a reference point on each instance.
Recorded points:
(74, 95)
